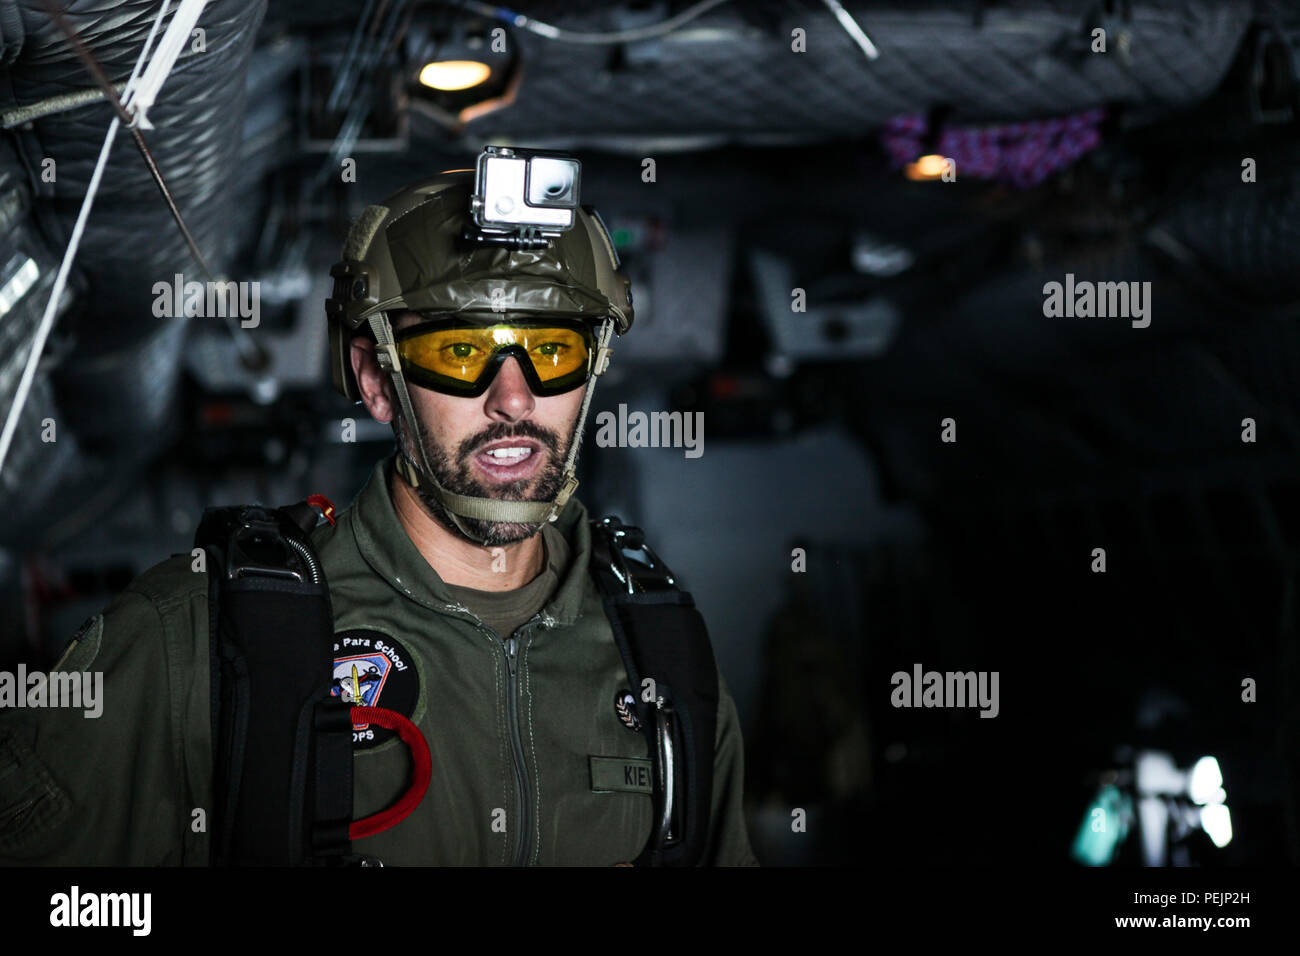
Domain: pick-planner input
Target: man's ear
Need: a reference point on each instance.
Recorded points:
(372, 381)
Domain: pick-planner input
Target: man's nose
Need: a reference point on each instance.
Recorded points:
(508, 398)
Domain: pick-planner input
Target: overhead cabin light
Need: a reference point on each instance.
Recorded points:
(452, 75)
(931, 166)
(460, 71)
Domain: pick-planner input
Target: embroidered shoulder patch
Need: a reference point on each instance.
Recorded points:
(373, 670)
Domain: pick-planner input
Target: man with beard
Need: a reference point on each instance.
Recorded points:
(460, 582)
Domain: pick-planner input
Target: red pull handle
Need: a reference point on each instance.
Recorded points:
(419, 747)
(324, 504)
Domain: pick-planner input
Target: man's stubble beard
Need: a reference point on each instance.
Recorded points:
(459, 478)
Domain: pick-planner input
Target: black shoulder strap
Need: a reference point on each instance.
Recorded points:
(666, 651)
(271, 703)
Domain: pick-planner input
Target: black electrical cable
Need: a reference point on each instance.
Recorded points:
(574, 36)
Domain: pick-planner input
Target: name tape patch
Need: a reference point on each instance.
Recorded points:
(624, 774)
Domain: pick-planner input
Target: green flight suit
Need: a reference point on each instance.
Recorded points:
(512, 722)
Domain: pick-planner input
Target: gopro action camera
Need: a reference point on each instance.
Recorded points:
(525, 192)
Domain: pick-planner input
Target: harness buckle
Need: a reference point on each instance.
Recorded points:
(258, 547)
(387, 357)
(646, 573)
(566, 492)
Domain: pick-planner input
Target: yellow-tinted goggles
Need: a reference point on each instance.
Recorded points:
(456, 358)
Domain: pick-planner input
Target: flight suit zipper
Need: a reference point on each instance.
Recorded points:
(523, 814)
(523, 788)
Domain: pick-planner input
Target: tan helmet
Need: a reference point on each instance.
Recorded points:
(407, 253)
(417, 251)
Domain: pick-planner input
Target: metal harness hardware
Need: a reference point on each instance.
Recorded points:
(653, 575)
(662, 636)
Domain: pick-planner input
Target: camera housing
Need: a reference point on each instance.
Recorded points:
(523, 192)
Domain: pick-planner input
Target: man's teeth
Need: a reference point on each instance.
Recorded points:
(510, 454)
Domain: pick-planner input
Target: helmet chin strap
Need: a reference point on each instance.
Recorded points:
(458, 506)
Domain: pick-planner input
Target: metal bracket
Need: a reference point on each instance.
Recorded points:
(388, 357)
(667, 766)
(651, 574)
(269, 553)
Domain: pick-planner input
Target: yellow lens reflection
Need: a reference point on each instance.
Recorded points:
(462, 354)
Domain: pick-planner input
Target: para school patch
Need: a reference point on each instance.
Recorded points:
(371, 669)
